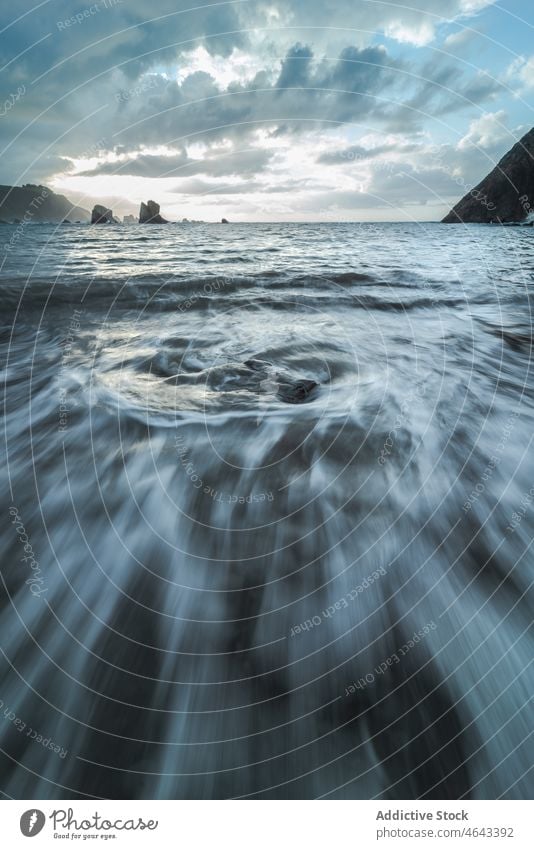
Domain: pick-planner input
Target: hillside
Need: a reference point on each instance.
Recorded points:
(37, 203)
(506, 194)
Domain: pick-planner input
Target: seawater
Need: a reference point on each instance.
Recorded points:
(214, 435)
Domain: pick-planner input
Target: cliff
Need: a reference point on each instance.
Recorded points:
(506, 194)
(149, 213)
(37, 203)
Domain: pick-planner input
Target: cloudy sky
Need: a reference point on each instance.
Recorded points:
(273, 110)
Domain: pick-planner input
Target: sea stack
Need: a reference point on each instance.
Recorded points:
(149, 213)
(101, 215)
(224, 221)
(506, 195)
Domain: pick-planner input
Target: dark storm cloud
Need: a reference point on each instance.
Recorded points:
(88, 38)
(160, 111)
(443, 87)
(309, 91)
(217, 163)
(77, 65)
(84, 55)
(327, 92)
(296, 68)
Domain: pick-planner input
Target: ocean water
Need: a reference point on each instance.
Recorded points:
(268, 511)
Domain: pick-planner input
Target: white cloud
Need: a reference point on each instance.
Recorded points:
(416, 33)
(471, 7)
(486, 132)
(268, 104)
(521, 73)
(459, 39)
(413, 23)
(236, 68)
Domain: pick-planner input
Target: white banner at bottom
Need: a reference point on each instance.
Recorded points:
(268, 824)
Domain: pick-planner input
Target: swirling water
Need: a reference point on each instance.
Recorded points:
(246, 464)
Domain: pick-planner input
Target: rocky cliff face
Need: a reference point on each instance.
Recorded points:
(101, 215)
(37, 203)
(149, 213)
(506, 194)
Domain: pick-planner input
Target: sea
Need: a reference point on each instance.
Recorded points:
(268, 508)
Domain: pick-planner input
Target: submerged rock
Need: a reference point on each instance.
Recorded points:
(258, 365)
(286, 388)
(296, 391)
(149, 213)
(506, 195)
(101, 215)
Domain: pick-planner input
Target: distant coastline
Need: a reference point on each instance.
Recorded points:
(37, 203)
(485, 203)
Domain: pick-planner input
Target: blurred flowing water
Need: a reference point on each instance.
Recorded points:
(245, 465)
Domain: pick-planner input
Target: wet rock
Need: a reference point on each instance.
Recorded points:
(149, 213)
(258, 365)
(296, 391)
(506, 195)
(288, 389)
(101, 215)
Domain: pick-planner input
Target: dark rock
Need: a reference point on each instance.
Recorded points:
(38, 204)
(296, 391)
(149, 213)
(224, 221)
(506, 194)
(258, 365)
(101, 215)
(288, 389)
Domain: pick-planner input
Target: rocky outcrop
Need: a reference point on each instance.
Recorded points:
(224, 221)
(149, 214)
(37, 204)
(129, 219)
(286, 387)
(506, 195)
(101, 215)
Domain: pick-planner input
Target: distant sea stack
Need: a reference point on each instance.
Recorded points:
(37, 204)
(101, 215)
(506, 195)
(149, 214)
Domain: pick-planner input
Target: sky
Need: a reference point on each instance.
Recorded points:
(279, 110)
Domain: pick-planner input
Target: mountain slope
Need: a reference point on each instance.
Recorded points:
(506, 194)
(37, 203)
